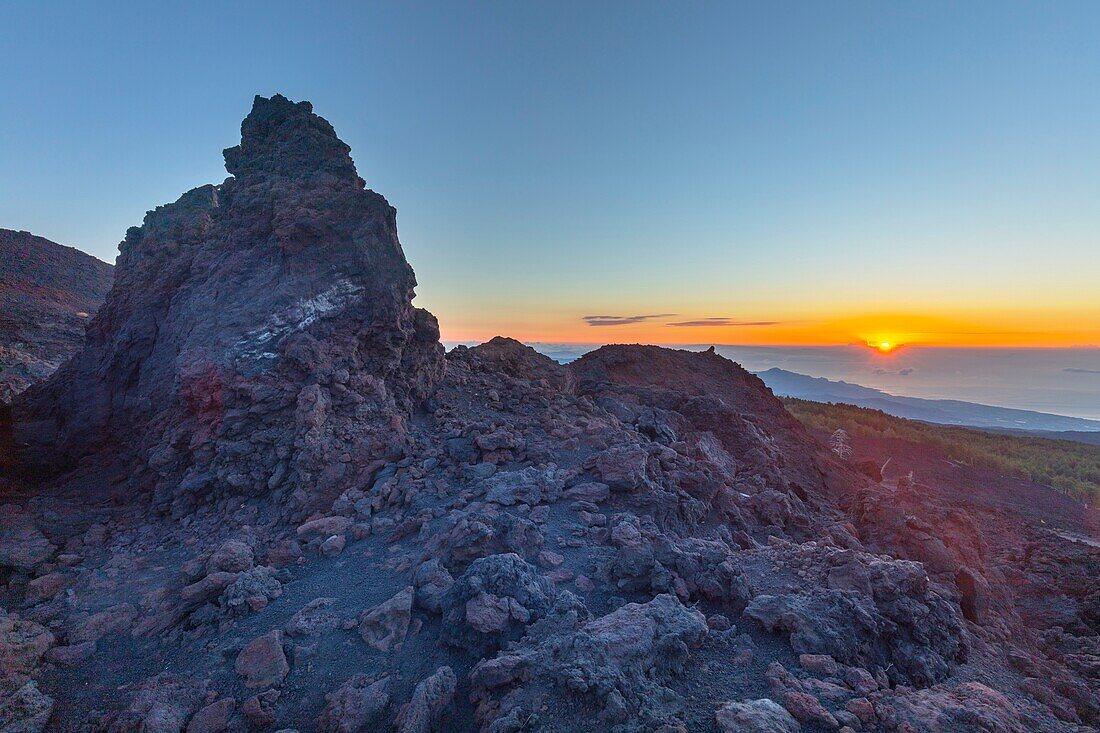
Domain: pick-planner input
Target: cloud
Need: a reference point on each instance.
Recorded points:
(722, 322)
(1076, 370)
(900, 372)
(623, 320)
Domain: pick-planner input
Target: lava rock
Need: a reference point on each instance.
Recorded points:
(384, 627)
(262, 662)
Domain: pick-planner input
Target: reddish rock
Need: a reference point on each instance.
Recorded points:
(259, 710)
(430, 701)
(22, 643)
(70, 656)
(967, 708)
(820, 663)
(323, 527)
(208, 588)
(384, 626)
(114, 619)
(755, 716)
(262, 662)
(488, 613)
(862, 708)
(560, 575)
(589, 491)
(807, 709)
(358, 705)
(214, 718)
(548, 559)
(283, 553)
(46, 587)
(333, 546)
(232, 556)
(623, 468)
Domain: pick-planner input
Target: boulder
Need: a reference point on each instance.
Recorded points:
(430, 702)
(46, 587)
(22, 643)
(623, 468)
(262, 662)
(251, 591)
(384, 627)
(967, 708)
(232, 556)
(493, 602)
(23, 707)
(22, 546)
(212, 718)
(115, 619)
(876, 612)
(359, 704)
(755, 716)
(592, 491)
(313, 619)
(431, 581)
(161, 704)
(259, 710)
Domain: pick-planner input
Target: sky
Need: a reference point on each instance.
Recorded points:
(765, 173)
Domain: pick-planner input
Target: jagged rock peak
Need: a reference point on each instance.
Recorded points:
(284, 138)
(256, 332)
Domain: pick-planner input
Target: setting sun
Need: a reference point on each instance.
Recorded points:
(883, 346)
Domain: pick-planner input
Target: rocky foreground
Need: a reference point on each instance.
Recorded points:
(262, 498)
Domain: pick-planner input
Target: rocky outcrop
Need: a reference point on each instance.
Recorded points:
(867, 612)
(259, 338)
(48, 293)
(618, 661)
(493, 601)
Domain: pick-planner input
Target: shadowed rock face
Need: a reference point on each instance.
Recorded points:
(256, 332)
(47, 294)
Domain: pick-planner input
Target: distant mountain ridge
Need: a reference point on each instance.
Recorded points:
(47, 293)
(947, 412)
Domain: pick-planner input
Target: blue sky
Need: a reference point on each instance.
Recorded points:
(801, 163)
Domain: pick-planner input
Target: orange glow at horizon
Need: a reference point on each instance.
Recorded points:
(885, 333)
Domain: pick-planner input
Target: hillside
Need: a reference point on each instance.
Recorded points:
(1069, 467)
(47, 294)
(945, 412)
